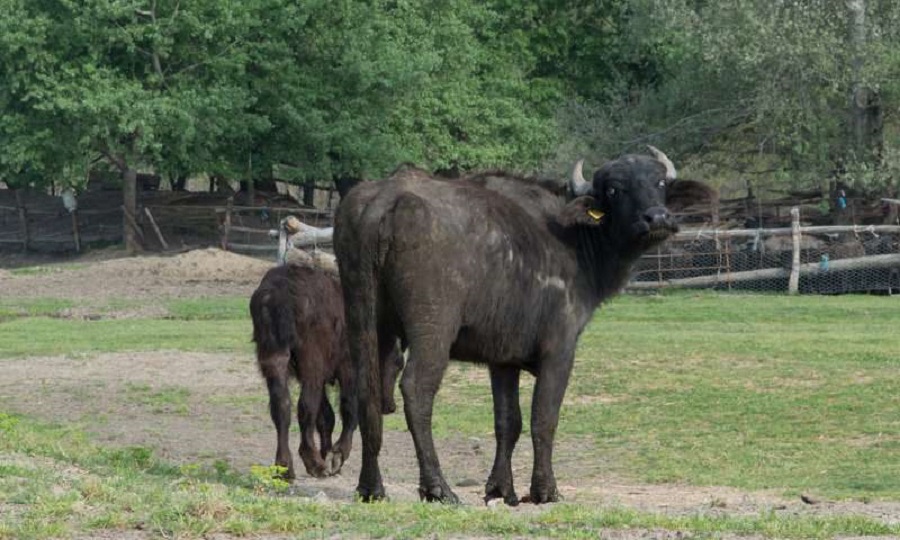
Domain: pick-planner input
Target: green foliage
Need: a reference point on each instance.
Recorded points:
(757, 91)
(234, 87)
(269, 479)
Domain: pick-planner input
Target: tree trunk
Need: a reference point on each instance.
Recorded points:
(179, 182)
(129, 203)
(309, 193)
(866, 113)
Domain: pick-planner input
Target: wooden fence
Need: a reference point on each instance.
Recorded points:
(35, 221)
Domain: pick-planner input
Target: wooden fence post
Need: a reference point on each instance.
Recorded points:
(136, 230)
(159, 235)
(794, 280)
(229, 207)
(76, 234)
(23, 220)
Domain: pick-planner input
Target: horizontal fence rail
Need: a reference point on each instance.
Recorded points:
(828, 259)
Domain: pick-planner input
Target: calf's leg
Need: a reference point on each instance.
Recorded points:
(311, 393)
(349, 419)
(325, 426)
(275, 371)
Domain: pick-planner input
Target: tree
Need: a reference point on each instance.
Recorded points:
(756, 89)
(140, 83)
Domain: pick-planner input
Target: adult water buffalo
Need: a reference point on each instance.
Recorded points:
(500, 271)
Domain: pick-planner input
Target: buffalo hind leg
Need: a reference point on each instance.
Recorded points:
(325, 426)
(507, 428)
(275, 371)
(311, 394)
(419, 384)
(548, 395)
(359, 297)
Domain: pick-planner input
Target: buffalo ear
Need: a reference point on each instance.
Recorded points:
(581, 211)
(681, 194)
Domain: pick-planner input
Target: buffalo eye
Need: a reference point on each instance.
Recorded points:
(662, 184)
(610, 191)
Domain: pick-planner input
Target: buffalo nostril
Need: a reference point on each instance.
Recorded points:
(656, 219)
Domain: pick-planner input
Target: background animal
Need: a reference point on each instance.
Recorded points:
(506, 276)
(299, 331)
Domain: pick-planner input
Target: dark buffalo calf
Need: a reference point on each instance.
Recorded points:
(298, 328)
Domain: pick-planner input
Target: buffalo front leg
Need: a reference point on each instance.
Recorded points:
(548, 395)
(280, 411)
(311, 394)
(507, 428)
(419, 384)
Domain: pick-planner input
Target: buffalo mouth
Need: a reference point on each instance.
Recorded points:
(655, 234)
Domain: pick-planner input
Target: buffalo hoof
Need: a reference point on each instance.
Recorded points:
(441, 494)
(288, 472)
(368, 495)
(314, 465)
(508, 496)
(317, 471)
(542, 496)
(333, 463)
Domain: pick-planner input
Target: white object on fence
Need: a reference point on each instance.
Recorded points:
(293, 233)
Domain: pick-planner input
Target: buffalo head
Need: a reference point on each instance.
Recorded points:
(627, 198)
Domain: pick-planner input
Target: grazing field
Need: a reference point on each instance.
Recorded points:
(134, 415)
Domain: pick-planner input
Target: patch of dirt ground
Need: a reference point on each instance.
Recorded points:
(199, 408)
(202, 272)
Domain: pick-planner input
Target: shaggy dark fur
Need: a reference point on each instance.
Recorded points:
(496, 270)
(298, 327)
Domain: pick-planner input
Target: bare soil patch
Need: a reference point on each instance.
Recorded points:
(198, 273)
(222, 413)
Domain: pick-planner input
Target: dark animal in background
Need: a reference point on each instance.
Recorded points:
(501, 271)
(299, 330)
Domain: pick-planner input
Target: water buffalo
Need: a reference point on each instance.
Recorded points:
(502, 271)
(299, 330)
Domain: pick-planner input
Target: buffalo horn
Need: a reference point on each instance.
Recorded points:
(577, 183)
(664, 159)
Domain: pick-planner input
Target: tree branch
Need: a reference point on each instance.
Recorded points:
(115, 160)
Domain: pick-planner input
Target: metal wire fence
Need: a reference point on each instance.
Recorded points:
(830, 260)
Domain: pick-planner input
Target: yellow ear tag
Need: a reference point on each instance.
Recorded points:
(595, 214)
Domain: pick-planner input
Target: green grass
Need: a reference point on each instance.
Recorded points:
(217, 309)
(798, 395)
(168, 399)
(42, 270)
(45, 336)
(54, 482)
(35, 307)
(755, 392)
(33, 327)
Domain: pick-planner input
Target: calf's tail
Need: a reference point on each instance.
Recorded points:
(274, 330)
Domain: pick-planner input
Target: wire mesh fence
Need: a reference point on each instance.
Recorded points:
(831, 260)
